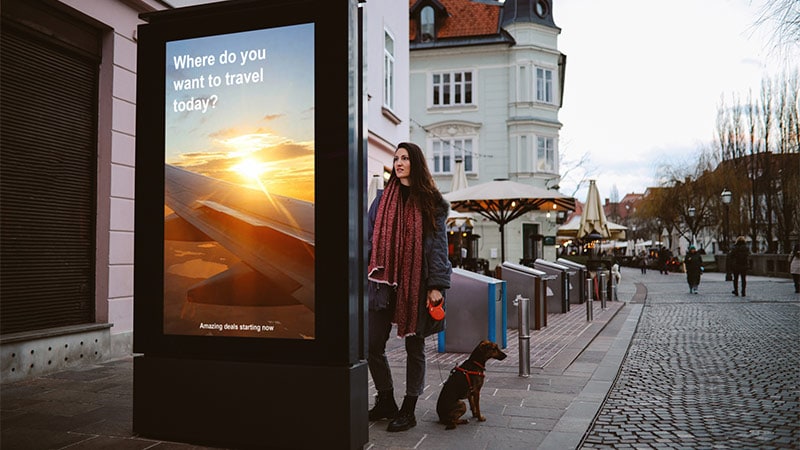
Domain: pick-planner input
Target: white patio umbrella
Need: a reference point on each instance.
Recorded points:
(502, 201)
(375, 184)
(570, 229)
(593, 218)
(457, 219)
(459, 177)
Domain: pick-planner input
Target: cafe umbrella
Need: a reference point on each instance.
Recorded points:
(592, 223)
(503, 200)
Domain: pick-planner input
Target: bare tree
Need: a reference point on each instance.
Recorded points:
(764, 116)
(782, 17)
(757, 165)
(578, 171)
(787, 146)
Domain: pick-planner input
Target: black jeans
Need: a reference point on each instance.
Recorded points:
(380, 326)
(736, 275)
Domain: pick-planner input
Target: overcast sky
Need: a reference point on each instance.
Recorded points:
(645, 78)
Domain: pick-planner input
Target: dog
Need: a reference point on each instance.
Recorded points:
(465, 382)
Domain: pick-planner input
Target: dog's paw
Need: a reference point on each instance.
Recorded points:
(481, 419)
(450, 426)
(463, 422)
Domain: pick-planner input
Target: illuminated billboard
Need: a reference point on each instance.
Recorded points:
(239, 184)
(249, 127)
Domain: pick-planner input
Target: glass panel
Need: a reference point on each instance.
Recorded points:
(222, 279)
(468, 88)
(549, 86)
(437, 155)
(389, 43)
(446, 156)
(436, 89)
(427, 24)
(468, 156)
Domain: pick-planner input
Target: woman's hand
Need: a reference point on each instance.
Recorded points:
(435, 297)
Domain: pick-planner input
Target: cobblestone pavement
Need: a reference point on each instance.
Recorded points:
(707, 371)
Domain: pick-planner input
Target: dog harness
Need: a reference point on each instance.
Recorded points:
(467, 373)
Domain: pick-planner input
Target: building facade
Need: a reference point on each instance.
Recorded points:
(487, 83)
(68, 164)
(67, 183)
(387, 86)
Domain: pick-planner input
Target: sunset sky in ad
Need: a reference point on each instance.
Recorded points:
(240, 107)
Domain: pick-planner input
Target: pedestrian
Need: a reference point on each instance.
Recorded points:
(664, 257)
(794, 267)
(643, 263)
(738, 257)
(409, 271)
(694, 267)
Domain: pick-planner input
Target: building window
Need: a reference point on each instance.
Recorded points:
(541, 8)
(544, 85)
(445, 152)
(452, 88)
(388, 71)
(545, 154)
(427, 24)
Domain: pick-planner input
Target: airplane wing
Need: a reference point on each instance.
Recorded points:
(272, 234)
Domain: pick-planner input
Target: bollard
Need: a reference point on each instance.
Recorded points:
(602, 289)
(523, 320)
(614, 296)
(589, 306)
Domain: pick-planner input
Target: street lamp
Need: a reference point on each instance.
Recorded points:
(726, 197)
(691, 224)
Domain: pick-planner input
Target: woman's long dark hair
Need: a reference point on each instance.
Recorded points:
(423, 189)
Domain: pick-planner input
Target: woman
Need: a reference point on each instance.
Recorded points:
(794, 267)
(694, 267)
(408, 273)
(738, 261)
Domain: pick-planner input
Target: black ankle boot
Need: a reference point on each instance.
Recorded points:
(405, 418)
(385, 406)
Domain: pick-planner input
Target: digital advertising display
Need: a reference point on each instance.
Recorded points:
(250, 185)
(239, 185)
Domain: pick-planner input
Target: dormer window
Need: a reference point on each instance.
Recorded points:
(427, 24)
(427, 18)
(541, 8)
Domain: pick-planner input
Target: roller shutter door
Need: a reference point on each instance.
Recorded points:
(48, 166)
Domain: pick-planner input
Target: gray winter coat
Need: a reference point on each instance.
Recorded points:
(436, 269)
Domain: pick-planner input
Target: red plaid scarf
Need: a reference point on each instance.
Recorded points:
(396, 258)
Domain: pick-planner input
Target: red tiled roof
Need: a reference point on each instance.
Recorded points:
(465, 19)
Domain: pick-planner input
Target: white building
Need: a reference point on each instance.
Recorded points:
(487, 85)
(387, 68)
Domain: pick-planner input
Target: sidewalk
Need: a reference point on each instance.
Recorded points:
(573, 365)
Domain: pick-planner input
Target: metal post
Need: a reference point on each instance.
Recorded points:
(523, 319)
(589, 302)
(602, 289)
